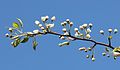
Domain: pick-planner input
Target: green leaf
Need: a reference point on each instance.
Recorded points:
(15, 25)
(16, 42)
(34, 44)
(20, 21)
(24, 40)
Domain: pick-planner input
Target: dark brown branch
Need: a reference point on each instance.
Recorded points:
(75, 38)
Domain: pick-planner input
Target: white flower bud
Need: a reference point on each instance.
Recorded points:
(82, 48)
(76, 29)
(37, 22)
(10, 29)
(62, 24)
(101, 32)
(67, 20)
(88, 30)
(88, 36)
(64, 29)
(115, 31)
(81, 27)
(84, 25)
(7, 35)
(36, 31)
(40, 25)
(53, 18)
(90, 24)
(71, 23)
(93, 59)
(110, 30)
(47, 17)
(42, 28)
(44, 18)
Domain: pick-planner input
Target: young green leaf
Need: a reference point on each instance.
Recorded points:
(24, 40)
(15, 25)
(34, 44)
(20, 21)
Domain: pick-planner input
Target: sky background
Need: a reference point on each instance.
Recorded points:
(103, 14)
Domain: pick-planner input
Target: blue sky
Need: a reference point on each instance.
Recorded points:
(103, 14)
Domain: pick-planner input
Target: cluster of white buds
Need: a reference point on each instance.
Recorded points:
(64, 23)
(110, 30)
(44, 18)
(38, 23)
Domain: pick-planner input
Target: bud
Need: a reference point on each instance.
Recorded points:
(108, 55)
(42, 28)
(36, 31)
(82, 48)
(88, 36)
(37, 22)
(64, 29)
(89, 49)
(76, 29)
(47, 17)
(7, 35)
(40, 25)
(87, 56)
(68, 20)
(53, 18)
(84, 25)
(110, 30)
(81, 27)
(90, 24)
(93, 59)
(115, 31)
(104, 54)
(101, 32)
(10, 29)
(88, 31)
(71, 23)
